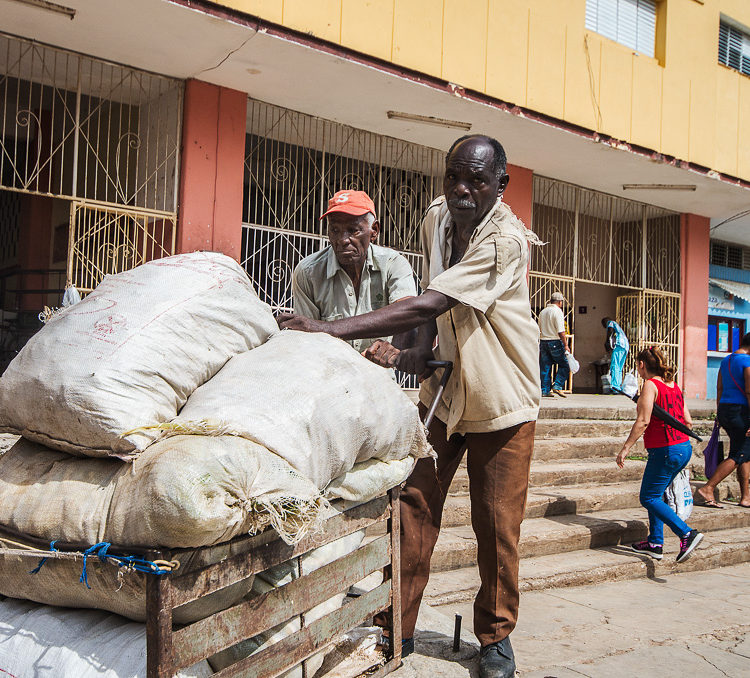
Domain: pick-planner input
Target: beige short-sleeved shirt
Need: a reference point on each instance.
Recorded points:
(323, 290)
(490, 334)
(551, 322)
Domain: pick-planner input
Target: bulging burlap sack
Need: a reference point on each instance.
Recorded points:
(312, 400)
(131, 353)
(182, 492)
(186, 490)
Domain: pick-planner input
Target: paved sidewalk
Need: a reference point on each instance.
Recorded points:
(694, 624)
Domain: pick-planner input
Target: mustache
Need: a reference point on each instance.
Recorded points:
(462, 203)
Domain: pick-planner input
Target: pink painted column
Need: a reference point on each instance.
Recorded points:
(211, 174)
(519, 192)
(694, 248)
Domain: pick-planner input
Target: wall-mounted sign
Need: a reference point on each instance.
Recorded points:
(720, 299)
(723, 342)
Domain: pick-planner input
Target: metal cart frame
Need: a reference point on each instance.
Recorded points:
(171, 647)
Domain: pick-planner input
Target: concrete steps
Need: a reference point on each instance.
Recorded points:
(551, 449)
(566, 472)
(591, 566)
(591, 428)
(456, 547)
(582, 508)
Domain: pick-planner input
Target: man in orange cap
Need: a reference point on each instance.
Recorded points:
(352, 275)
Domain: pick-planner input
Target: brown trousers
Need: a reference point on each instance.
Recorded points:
(498, 465)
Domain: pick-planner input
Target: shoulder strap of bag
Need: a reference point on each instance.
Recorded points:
(742, 390)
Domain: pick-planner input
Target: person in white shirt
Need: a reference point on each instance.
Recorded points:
(553, 347)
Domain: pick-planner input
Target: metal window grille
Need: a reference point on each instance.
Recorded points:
(650, 319)
(596, 237)
(630, 22)
(731, 256)
(9, 217)
(106, 239)
(73, 126)
(295, 162)
(734, 257)
(734, 47)
(718, 254)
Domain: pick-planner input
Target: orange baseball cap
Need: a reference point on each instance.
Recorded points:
(350, 202)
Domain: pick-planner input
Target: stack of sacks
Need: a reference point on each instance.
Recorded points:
(272, 426)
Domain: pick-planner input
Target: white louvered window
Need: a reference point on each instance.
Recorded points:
(734, 47)
(630, 22)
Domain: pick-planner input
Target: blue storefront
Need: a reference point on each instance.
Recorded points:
(728, 317)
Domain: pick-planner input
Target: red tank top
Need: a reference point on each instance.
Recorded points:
(669, 398)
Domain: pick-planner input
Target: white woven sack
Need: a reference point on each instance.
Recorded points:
(131, 353)
(48, 642)
(314, 401)
(183, 492)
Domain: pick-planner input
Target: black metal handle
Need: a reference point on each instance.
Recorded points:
(447, 367)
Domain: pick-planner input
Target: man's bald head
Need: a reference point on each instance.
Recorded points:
(499, 159)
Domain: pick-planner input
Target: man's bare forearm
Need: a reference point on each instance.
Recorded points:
(394, 319)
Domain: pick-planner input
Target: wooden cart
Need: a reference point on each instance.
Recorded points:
(171, 647)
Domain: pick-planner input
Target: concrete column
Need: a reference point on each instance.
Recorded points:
(518, 195)
(211, 174)
(694, 248)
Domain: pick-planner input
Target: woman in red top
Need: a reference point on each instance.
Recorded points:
(669, 451)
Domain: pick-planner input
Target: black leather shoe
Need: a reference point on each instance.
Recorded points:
(497, 661)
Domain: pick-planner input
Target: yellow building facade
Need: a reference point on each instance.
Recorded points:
(538, 55)
(628, 154)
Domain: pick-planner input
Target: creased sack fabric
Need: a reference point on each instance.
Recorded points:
(314, 401)
(182, 492)
(91, 500)
(48, 642)
(131, 353)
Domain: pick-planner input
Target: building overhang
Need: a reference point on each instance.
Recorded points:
(187, 39)
(737, 289)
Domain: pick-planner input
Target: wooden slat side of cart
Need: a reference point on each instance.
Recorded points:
(170, 648)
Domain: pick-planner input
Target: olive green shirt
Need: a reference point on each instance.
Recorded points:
(324, 291)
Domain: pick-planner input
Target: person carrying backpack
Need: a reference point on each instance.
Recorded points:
(669, 451)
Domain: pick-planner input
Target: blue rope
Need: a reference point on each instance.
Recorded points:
(129, 562)
(44, 560)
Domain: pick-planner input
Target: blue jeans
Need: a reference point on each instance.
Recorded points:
(616, 366)
(552, 351)
(663, 464)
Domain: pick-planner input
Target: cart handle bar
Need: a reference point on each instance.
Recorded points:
(447, 367)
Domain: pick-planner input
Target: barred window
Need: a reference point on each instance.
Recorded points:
(734, 47)
(731, 256)
(630, 22)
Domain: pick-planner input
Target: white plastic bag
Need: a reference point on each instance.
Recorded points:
(679, 495)
(573, 364)
(629, 385)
